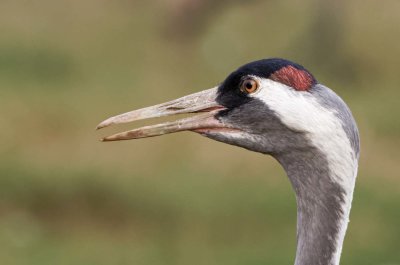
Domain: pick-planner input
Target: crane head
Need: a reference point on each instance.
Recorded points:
(271, 106)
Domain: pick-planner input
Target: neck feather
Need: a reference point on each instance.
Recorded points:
(323, 206)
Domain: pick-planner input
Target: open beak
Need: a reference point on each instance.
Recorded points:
(203, 102)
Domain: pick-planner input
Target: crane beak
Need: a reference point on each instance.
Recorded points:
(203, 102)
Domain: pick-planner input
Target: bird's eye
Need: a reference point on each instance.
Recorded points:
(249, 86)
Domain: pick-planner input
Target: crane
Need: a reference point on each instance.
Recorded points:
(277, 107)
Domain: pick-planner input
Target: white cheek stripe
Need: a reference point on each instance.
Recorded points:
(301, 111)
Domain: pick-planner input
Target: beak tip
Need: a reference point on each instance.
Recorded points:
(110, 138)
(101, 125)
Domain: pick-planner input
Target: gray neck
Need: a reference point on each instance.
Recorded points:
(323, 207)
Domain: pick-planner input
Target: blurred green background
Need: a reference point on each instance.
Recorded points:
(66, 198)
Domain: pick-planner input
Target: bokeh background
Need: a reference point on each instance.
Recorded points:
(66, 198)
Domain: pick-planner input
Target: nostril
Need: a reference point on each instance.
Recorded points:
(174, 108)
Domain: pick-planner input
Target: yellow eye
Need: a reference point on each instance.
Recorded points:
(249, 86)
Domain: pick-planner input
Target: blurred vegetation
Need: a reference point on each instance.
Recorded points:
(66, 198)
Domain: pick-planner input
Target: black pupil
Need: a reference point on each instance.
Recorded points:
(249, 85)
